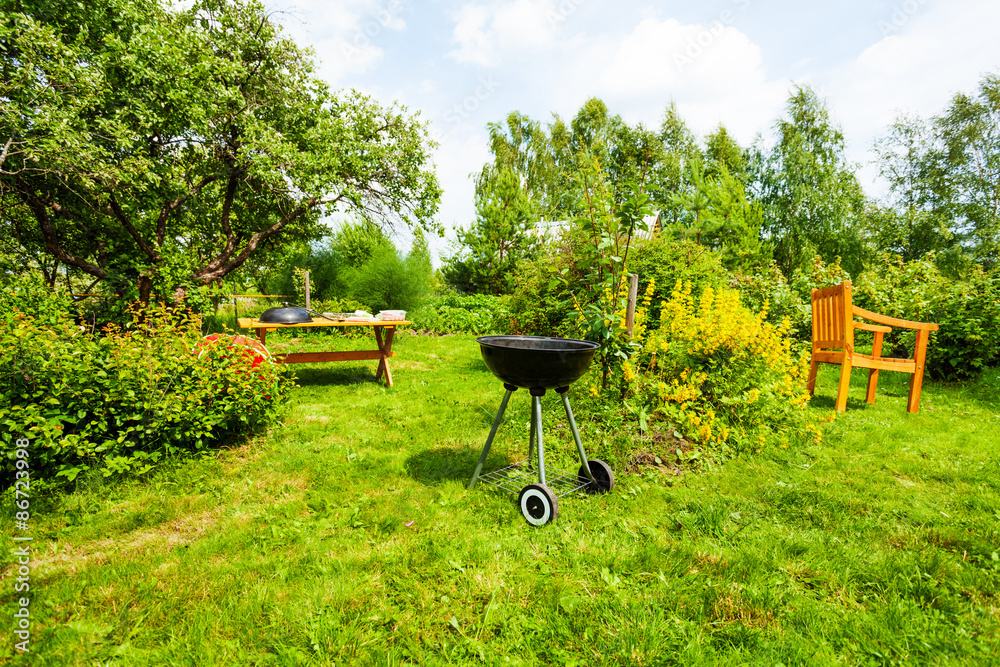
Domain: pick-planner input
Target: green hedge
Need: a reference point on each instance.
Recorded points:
(478, 314)
(121, 400)
(968, 312)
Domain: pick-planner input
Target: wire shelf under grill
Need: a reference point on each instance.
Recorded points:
(518, 475)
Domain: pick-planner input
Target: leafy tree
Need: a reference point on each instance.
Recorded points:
(667, 179)
(489, 253)
(722, 151)
(150, 147)
(913, 224)
(812, 202)
(545, 160)
(356, 242)
(965, 168)
(522, 147)
(715, 213)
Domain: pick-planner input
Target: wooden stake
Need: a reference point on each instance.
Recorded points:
(307, 289)
(633, 293)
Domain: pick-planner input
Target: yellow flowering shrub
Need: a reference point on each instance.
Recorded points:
(722, 375)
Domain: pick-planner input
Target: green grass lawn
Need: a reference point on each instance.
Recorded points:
(347, 536)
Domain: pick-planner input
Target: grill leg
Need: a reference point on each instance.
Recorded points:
(493, 431)
(536, 417)
(531, 435)
(576, 433)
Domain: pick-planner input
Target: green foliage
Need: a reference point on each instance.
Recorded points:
(968, 312)
(912, 225)
(360, 264)
(597, 281)
(664, 261)
(356, 242)
(943, 177)
(478, 314)
(126, 400)
(812, 203)
(965, 167)
(766, 290)
(387, 281)
(28, 293)
(538, 305)
(489, 254)
(722, 376)
(153, 147)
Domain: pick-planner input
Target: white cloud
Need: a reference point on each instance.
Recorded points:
(713, 72)
(926, 56)
(346, 35)
(487, 34)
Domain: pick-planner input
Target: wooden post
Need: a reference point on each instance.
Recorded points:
(307, 289)
(633, 293)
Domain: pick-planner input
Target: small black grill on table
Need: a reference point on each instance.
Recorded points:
(540, 363)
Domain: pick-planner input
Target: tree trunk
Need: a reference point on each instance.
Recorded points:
(145, 288)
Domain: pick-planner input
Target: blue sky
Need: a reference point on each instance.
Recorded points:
(465, 64)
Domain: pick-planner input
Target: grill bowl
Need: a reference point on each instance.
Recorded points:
(537, 361)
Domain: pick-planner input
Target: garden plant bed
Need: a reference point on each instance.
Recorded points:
(347, 536)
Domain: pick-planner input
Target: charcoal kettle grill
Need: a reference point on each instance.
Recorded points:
(540, 363)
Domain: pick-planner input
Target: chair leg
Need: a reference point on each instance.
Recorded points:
(873, 373)
(845, 383)
(811, 382)
(917, 381)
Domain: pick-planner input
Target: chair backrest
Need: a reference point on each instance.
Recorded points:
(832, 317)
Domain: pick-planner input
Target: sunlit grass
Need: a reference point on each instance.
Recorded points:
(347, 536)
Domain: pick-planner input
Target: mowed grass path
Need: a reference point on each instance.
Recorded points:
(348, 537)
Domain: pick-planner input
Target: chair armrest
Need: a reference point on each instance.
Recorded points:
(864, 326)
(893, 321)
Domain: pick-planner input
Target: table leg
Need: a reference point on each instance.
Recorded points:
(262, 335)
(384, 349)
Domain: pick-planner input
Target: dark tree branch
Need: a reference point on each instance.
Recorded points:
(52, 244)
(132, 231)
(171, 206)
(220, 267)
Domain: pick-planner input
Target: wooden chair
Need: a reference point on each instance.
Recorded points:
(833, 328)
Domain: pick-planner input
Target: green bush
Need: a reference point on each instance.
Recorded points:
(767, 291)
(477, 314)
(666, 260)
(968, 312)
(28, 293)
(721, 376)
(122, 401)
(388, 281)
(538, 306)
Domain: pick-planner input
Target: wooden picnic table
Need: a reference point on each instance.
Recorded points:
(384, 343)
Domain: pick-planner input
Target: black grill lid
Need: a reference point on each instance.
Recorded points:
(285, 315)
